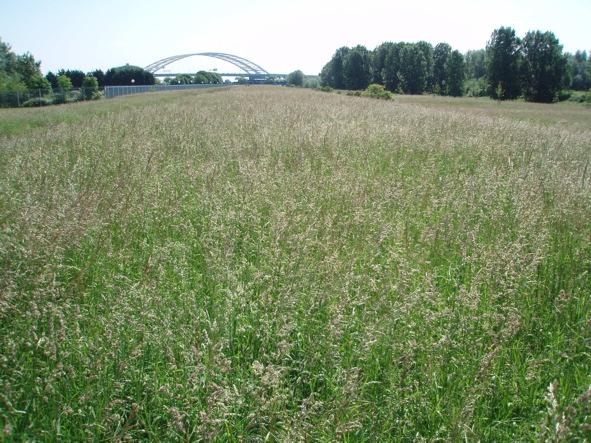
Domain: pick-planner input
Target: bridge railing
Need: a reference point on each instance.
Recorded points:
(116, 91)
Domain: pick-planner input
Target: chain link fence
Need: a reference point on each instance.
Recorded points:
(44, 97)
(116, 91)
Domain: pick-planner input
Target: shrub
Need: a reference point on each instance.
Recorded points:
(475, 87)
(354, 93)
(580, 96)
(326, 89)
(89, 88)
(36, 102)
(296, 78)
(312, 83)
(377, 91)
(564, 95)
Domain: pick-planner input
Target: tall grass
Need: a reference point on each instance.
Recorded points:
(280, 264)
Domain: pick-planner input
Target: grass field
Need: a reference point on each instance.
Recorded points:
(274, 264)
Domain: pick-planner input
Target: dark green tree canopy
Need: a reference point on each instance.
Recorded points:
(440, 55)
(378, 62)
(455, 72)
(333, 72)
(413, 70)
(390, 71)
(7, 59)
(123, 75)
(502, 64)
(99, 75)
(52, 79)
(579, 67)
(427, 50)
(76, 76)
(544, 66)
(475, 63)
(296, 78)
(356, 68)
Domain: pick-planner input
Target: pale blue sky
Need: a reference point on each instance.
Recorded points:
(281, 36)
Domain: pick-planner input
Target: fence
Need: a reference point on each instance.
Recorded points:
(116, 91)
(44, 97)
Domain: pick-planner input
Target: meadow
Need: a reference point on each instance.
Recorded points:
(281, 264)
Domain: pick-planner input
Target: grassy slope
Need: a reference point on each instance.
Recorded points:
(278, 263)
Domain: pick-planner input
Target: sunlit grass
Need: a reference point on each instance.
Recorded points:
(278, 264)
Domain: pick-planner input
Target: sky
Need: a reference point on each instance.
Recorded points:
(281, 36)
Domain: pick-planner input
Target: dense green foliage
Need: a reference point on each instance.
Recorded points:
(76, 76)
(455, 71)
(200, 78)
(503, 59)
(579, 70)
(280, 264)
(99, 75)
(90, 88)
(128, 75)
(296, 78)
(18, 75)
(440, 57)
(543, 67)
(356, 68)
(507, 69)
(475, 63)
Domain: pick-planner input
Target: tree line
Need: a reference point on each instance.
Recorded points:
(22, 83)
(534, 68)
(200, 78)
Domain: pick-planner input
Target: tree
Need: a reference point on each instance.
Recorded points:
(128, 75)
(7, 59)
(356, 68)
(427, 50)
(454, 74)
(39, 83)
(502, 64)
(99, 75)
(296, 78)
(413, 69)
(182, 79)
(28, 69)
(378, 62)
(89, 88)
(204, 77)
(52, 79)
(475, 63)
(64, 83)
(578, 65)
(440, 56)
(75, 75)
(543, 68)
(391, 67)
(333, 72)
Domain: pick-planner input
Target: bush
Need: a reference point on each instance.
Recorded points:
(579, 96)
(36, 102)
(475, 87)
(312, 83)
(89, 88)
(296, 78)
(564, 95)
(377, 91)
(326, 88)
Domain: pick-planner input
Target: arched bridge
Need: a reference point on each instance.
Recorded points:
(247, 67)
